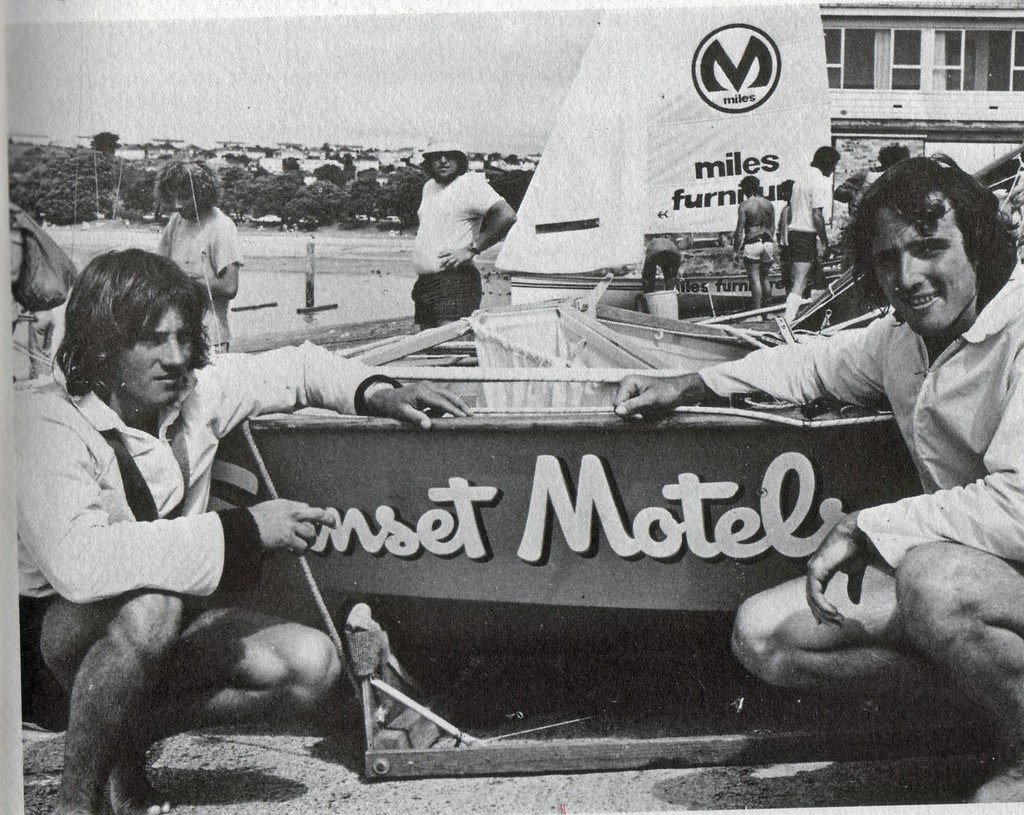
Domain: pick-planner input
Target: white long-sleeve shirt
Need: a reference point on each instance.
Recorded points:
(77, 535)
(962, 419)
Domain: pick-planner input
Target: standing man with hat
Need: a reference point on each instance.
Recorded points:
(460, 216)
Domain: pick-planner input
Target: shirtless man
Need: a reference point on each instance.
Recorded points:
(755, 226)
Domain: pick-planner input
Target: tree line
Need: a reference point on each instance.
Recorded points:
(68, 186)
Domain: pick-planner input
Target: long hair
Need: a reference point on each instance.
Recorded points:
(193, 181)
(119, 299)
(919, 191)
(461, 162)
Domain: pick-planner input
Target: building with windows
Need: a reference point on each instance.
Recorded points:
(945, 76)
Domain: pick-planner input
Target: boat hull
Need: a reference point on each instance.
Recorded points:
(684, 515)
(698, 295)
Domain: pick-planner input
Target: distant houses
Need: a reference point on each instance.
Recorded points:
(276, 158)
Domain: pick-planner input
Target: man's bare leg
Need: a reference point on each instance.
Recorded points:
(962, 609)
(766, 282)
(110, 655)
(778, 640)
(754, 279)
(232, 666)
(796, 293)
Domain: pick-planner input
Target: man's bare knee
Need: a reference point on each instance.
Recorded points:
(148, 624)
(300, 661)
(756, 643)
(937, 596)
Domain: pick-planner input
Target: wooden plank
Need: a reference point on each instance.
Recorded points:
(408, 729)
(585, 755)
(313, 309)
(255, 306)
(329, 336)
(404, 346)
(369, 710)
(615, 347)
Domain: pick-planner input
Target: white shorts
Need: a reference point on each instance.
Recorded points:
(763, 251)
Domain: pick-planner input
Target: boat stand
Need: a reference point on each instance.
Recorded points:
(611, 754)
(404, 739)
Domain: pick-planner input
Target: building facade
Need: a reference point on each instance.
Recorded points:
(945, 76)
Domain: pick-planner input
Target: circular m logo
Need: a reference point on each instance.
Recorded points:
(736, 68)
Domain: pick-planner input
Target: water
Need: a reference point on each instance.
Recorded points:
(367, 273)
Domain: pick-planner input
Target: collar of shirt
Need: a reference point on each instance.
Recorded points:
(1005, 307)
(101, 416)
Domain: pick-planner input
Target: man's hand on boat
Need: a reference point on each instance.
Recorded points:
(289, 526)
(847, 550)
(638, 395)
(416, 403)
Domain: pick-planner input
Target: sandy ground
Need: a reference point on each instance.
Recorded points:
(288, 770)
(225, 773)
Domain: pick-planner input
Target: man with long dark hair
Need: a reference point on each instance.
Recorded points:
(460, 216)
(122, 571)
(932, 581)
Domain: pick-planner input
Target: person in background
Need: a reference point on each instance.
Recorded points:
(124, 575)
(812, 193)
(853, 188)
(201, 239)
(753, 239)
(661, 253)
(460, 216)
(929, 585)
(785, 190)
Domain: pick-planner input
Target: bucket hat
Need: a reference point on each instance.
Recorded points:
(441, 145)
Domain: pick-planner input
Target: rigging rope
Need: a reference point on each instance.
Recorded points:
(205, 265)
(332, 631)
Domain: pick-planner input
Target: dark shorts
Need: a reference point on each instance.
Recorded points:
(444, 297)
(786, 266)
(667, 262)
(803, 246)
(44, 701)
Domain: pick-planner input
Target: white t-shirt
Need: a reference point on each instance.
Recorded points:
(203, 248)
(450, 218)
(810, 191)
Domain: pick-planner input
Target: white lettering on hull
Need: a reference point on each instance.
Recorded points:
(437, 530)
(741, 533)
(734, 532)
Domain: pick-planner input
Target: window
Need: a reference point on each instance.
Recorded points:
(949, 60)
(850, 57)
(979, 60)
(834, 56)
(859, 58)
(1018, 61)
(906, 60)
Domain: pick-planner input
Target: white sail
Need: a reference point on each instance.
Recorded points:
(670, 109)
